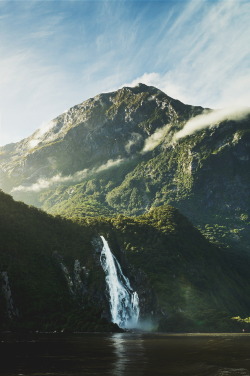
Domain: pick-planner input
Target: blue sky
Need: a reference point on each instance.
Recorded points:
(55, 54)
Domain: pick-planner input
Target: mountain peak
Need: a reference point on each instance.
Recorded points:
(141, 88)
(144, 86)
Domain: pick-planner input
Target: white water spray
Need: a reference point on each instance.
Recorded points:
(124, 302)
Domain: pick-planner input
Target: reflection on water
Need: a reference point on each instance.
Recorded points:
(130, 354)
(125, 354)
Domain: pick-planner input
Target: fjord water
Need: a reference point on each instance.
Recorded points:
(126, 354)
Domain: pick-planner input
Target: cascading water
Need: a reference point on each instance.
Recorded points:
(124, 302)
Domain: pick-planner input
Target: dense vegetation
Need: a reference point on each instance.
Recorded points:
(204, 171)
(29, 240)
(184, 283)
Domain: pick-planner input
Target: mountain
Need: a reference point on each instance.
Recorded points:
(51, 276)
(119, 153)
(125, 165)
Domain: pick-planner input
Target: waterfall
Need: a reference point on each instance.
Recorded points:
(124, 302)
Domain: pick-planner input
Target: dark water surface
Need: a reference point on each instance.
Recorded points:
(126, 354)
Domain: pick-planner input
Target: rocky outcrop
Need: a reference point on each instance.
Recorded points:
(11, 310)
(77, 280)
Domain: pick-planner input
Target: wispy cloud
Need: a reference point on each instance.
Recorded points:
(37, 137)
(162, 82)
(43, 183)
(54, 54)
(26, 82)
(109, 164)
(208, 55)
(155, 139)
(134, 141)
(210, 119)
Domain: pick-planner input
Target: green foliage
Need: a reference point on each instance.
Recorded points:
(239, 319)
(179, 276)
(194, 282)
(29, 239)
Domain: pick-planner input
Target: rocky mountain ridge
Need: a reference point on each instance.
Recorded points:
(117, 123)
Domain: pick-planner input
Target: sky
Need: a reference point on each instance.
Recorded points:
(55, 54)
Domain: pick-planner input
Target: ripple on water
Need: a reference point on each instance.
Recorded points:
(233, 372)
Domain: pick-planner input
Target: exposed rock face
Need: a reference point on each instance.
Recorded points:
(149, 309)
(77, 280)
(11, 310)
(108, 127)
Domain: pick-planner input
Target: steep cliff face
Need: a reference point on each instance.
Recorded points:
(118, 153)
(52, 279)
